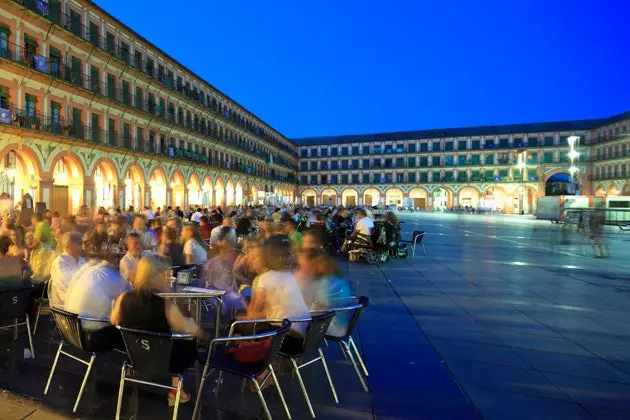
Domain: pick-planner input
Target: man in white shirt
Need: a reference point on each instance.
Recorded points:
(216, 232)
(64, 267)
(364, 225)
(92, 291)
(148, 213)
(196, 216)
(129, 262)
(149, 241)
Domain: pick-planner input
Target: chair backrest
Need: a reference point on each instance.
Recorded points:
(355, 309)
(417, 234)
(69, 326)
(276, 341)
(150, 352)
(316, 331)
(13, 303)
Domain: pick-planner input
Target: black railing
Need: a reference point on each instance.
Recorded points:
(52, 11)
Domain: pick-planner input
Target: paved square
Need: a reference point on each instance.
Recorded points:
(505, 318)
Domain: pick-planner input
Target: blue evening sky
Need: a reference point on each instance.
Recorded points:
(328, 67)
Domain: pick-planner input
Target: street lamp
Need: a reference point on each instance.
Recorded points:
(573, 141)
(521, 165)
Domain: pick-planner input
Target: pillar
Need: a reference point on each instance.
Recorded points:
(169, 196)
(45, 188)
(122, 202)
(89, 194)
(147, 195)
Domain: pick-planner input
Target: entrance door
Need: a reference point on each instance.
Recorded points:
(350, 201)
(310, 201)
(368, 200)
(59, 200)
(419, 203)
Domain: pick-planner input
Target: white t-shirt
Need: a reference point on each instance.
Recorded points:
(364, 226)
(194, 248)
(283, 297)
(63, 269)
(196, 217)
(148, 214)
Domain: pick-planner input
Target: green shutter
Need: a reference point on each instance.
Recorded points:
(5, 29)
(4, 92)
(31, 98)
(30, 40)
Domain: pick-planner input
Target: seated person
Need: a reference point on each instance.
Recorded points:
(171, 249)
(323, 286)
(205, 227)
(217, 272)
(65, 266)
(290, 229)
(10, 267)
(92, 290)
(214, 235)
(195, 250)
(148, 239)
(275, 292)
(362, 235)
(143, 309)
(130, 261)
(244, 225)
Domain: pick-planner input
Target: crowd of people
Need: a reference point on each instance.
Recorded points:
(270, 261)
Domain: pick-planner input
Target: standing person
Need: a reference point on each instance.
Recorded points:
(196, 216)
(194, 247)
(148, 213)
(143, 309)
(65, 266)
(214, 235)
(290, 229)
(595, 221)
(43, 233)
(218, 271)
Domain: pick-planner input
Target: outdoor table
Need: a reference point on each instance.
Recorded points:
(191, 291)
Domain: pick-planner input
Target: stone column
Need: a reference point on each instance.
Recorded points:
(89, 194)
(147, 195)
(45, 188)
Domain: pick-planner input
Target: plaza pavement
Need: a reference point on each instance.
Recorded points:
(505, 318)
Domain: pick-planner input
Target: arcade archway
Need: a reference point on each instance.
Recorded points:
(67, 192)
(469, 197)
(309, 198)
(329, 197)
(219, 191)
(442, 199)
(158, 189)
(194, 191)
(349, 197)
(105, 184)
(229, 193)
(134, 188)
(418, 197)
(371, 197)
(178, 189)
(206, 195)
(394, 196)
(238, 194)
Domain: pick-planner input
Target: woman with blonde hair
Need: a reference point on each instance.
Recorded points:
(144, 309)
(195, 249)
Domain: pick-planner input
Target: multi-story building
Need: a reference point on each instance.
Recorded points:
(92, 113)
(503, 167)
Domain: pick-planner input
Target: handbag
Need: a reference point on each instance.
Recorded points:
(250, 351)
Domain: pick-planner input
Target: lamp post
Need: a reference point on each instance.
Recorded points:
(521, 165)
(574, 142)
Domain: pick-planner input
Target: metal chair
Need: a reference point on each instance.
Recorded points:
(13, 306)
(315, 333)
(345, 341)
(149, 355)
(94, 342)
(417, 237)
(218, 359)
(41, 301)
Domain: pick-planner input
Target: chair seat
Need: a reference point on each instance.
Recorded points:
(227, 363)
(333, 338)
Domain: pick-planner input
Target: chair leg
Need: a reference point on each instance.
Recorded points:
(343, 351)
(275, 380)
(204, 375)
(39, 311)
(296, 369)
(262, 399)
(219, 382)
(54, 366)
(356, 352)
(15, 330)
(330, 382)
(424, 250)
(356, 368)
(177, 396)
(30, 336)
(121, 389)
(85, 378)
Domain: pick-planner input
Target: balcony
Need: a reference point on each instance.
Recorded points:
(74, 130)
(52, 11)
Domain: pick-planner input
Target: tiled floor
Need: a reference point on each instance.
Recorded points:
(506, 318)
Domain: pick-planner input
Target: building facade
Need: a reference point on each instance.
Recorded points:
(495, 167)
(91, 113)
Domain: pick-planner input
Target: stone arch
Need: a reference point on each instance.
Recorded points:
(207, 191)
(394, 196)
(158, 186)
(626, 189)
(106, 187)
(442, 198)
(419, 197)
(468, 196)
(20, 174)
(238, 193)
(601, 191)
(178, 188)
(371, 197)
(329, 196)
(349, 197)
(68, 180)
(194, 190)
(135, 184)
(309, 197)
